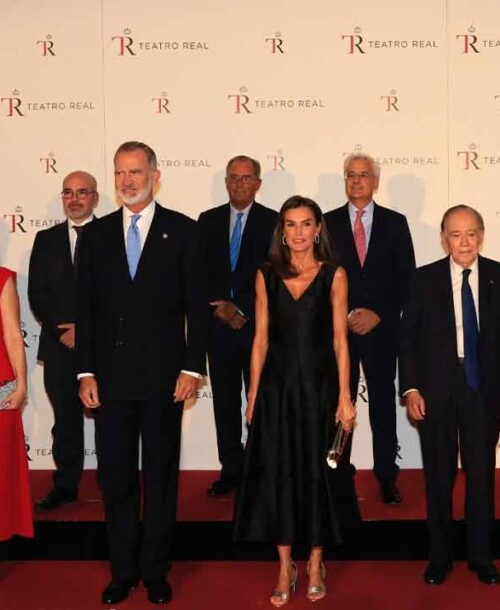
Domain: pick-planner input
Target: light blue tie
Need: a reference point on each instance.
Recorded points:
(234, 244)
(133, 245)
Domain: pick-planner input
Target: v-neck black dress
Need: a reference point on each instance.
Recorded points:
(287, 494)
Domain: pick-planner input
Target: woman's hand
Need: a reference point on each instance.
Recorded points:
(14, 400)
(346, 414)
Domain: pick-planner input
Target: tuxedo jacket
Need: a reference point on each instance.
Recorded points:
(237, 286)
(137, 335)
(52, 287)
(428, 344)
(382, 283)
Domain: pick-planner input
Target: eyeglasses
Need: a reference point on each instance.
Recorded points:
(360, 175)
(246, 179)
(78, 194)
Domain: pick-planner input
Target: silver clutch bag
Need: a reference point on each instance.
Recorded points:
(339, 442)
(6, 389)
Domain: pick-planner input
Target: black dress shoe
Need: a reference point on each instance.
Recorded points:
(55, 498)
(159, 591)
(436, 574)
(487, 574)
(117, 591)
(389, 493)
(221, 487)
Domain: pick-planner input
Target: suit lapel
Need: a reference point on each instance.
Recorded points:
(376, 236)
(63, 244)
(117, 245)
(486, 286)
(446, 304)
(251, 227)
(350, 245)
(156, 232)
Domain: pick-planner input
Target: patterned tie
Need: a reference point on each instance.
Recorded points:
(360, 236)
(471, 333)
(133, 245)
(234, 244)
(78, 230)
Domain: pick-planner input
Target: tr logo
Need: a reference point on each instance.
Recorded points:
(161, 103)
(470, 158)
(13, 104)
(390, 102)
(16, 222)
(125, 43)
(276, 43)
(469, 41)
(277, 161)
(49, 164)
(354, 42)
(241, 101)
(46, 46)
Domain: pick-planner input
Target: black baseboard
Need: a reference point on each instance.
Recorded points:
(211, 541)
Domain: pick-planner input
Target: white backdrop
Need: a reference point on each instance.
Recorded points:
(294, 85)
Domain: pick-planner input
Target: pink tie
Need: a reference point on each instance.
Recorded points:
(360, 237)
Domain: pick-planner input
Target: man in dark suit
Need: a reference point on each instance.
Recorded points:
(374, 246)
(52, 296)
(449, 362)
(236, 239)
(141, 351)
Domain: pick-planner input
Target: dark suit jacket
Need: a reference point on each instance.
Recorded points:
(132, 334)
(52, 286)
(382, 283)
(428, 346)
(214, 225)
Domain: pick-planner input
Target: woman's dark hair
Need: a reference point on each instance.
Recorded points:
(279, 253)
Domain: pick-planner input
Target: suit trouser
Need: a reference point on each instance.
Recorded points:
(229, 362)
(468, 423)
(119, 425)
(61, 385)
(377, 353)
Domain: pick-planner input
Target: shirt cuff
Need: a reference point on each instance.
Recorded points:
(193, 374)
(82, 375)
(409, 391)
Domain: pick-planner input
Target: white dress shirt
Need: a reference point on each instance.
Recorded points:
(143, 224)
(233, 215)
(456, 285)
(73, 234)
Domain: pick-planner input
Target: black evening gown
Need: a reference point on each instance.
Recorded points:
(288, 492)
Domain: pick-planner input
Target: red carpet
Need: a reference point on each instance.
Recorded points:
(47, 585)
(194, 505)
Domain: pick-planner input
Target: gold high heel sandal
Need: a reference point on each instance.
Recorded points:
(280, 598)
(318, 591)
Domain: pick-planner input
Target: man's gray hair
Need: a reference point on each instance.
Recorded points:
(361, 156)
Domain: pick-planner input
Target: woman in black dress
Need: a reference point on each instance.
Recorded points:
(299, 389)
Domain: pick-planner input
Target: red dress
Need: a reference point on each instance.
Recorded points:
(15, 499)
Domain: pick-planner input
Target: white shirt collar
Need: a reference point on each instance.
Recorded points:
(72, 224)
(146, 214)
(456, 269)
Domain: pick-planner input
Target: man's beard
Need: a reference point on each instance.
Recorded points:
(139, 197)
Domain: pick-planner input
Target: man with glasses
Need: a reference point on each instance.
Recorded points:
(236, 239)
(52, 296)
(375, 247)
